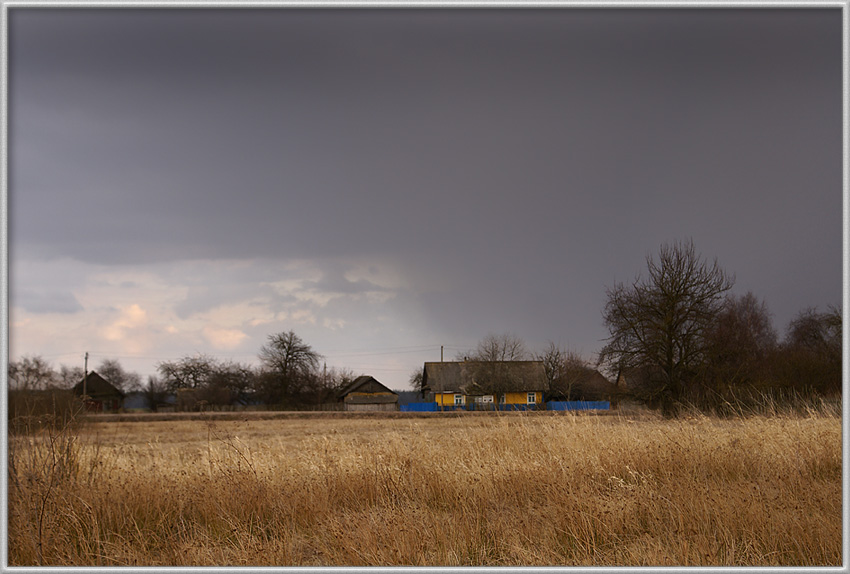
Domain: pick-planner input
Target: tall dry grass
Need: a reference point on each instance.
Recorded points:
(498, 490)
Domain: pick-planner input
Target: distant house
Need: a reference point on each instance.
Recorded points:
(367, 394)
(584, 384)
(101, 395)
(486, 385)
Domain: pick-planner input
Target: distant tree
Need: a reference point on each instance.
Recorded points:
(236, 381)
(417, 380)
(659, 324)
(739, 346)
(114, 372)
(31, 373)
(318, 388)
(809, 359)
(339, 378)
(289, 363)
(69, 376)
(187, 372)
(489, 370)
(155, 392)
(504, 347)
(564, 369)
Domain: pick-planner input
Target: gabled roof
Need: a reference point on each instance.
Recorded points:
(365, 384)
(97, 387)
(586, 384)
(482, 376)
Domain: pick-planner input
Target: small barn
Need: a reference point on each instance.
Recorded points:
(367, 394)
(101, 395)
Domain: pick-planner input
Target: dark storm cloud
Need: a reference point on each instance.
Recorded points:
(334, 281)
(515, 159)
(47, 301)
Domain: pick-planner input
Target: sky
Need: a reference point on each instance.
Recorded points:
(384, 182)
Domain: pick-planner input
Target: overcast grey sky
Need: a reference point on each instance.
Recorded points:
(386, 181)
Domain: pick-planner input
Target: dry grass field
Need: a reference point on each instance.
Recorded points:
(437, 490)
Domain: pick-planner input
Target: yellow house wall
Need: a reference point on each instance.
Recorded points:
(445, 399)
(448, 399)
(521, 398)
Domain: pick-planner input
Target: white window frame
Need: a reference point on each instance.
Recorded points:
(459, 400)
(531, 399)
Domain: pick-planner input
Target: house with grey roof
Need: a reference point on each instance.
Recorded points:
(486, 385)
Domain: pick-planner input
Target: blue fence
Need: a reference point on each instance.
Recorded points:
(419, 408)
(578, 406)
(550, 406)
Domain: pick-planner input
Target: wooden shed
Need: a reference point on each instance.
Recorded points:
(102, 395)
(367, 394)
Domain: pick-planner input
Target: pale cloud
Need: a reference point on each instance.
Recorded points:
(224, 339)
(303, 316)
(333, 324)
(129, 329)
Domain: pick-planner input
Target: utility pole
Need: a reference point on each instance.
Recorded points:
(85, 378)
(441, 353)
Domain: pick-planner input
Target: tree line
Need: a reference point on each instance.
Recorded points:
(289, 376)
(677, 336)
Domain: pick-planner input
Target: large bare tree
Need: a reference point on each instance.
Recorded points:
(187, 372)
(504, 347)
(658, 324)
(289, 363)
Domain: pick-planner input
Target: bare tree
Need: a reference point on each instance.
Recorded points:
(490, 366)
(739, 344)
(155, 392)
(31, 373)
(417, 380)
(69, 376)
(120, 378)
(504, 347)
(289, 362)
(659, 324)
(564, 369)
(810, 357)
(187, 373)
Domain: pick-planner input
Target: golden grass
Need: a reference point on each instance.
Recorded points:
(495, 490)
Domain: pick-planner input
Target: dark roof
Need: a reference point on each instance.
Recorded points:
(97, 387)
(584, 384)
(479, 376)
(365, 384)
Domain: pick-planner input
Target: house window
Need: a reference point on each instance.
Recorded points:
(503, 399)
(532, 398)
(458, 400)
